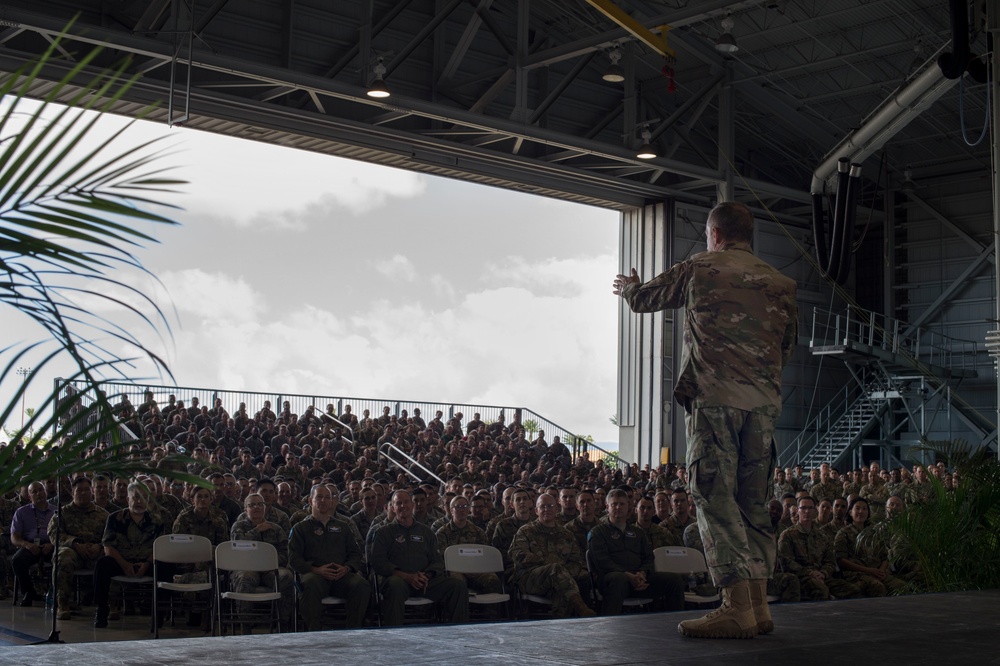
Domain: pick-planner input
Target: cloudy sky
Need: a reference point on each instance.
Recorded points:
(299, 273)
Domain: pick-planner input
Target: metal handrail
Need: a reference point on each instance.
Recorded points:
(408, 457)
(880, 331)
(299, 402)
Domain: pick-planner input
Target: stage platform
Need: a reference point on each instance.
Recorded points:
(959, 628)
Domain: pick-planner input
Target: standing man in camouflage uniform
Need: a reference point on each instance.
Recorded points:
(81, 527)
(547, 562)
(740, 329)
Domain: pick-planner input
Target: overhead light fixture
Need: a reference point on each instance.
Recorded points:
(908, 184)
(726, 43)
(646, 150)
(614, 73)
(378, 88)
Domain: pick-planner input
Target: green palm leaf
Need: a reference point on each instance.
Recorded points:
(71, 218)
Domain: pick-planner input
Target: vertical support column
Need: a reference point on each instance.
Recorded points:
(994, 27)
(727, 134)
(645, 356)
(365, 44)
(183, 35)
(630, 107)
(520, 113)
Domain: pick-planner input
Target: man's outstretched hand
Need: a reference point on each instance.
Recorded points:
(623, 280)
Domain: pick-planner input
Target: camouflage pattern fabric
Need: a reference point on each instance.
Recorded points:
(547, 562)
(804, 552)
(77, 525)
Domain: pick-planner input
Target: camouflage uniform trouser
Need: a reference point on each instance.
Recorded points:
(487, 583)
(785, 586)
(870, 586)
(555, 582)
(69, 561)
(730, 460)
(815, 590)
(249, 581)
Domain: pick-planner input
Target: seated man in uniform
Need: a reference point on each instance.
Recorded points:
(81, 528)
(406, 557)
(128, 548)
(324, 551)
(461, 530)
(254, 525)
(548, 562)
(622, 556)
(804, 550)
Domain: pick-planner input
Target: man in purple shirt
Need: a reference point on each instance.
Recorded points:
(28, 532)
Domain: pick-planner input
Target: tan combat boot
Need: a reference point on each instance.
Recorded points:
(580, 609)
(758, 596)
(733, 619)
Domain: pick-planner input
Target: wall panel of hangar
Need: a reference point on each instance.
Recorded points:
(510, 93)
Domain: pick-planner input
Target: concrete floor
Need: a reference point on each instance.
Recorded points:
(959, 628)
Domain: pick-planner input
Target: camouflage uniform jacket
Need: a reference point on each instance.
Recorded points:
(898, 489)
(922, 493)
(213, 526)
(450, 535)
(830, 529)
(170, 507)
(661, 537)
(132, 540)
(876, 494)
(826, 491)
(271, 515)
(580, 530)
(503, 536)
(676, 527)
(862, 546)
(244, 530)
(740, 326)
(79, 525)
(535, 545)
(801, 552)
(780, 489)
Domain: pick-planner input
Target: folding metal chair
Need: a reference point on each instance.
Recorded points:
(233, 556)
(686, 562)
(181, 549)
(474, 558)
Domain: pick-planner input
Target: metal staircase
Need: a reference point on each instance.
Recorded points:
(837, 429)
(888, 360)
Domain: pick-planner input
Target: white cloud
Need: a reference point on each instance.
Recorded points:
(500, 345)
(212, 296)
(397, 267)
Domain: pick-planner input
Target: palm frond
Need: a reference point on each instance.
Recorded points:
(71, 219)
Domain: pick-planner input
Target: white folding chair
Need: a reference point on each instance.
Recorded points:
(180, 549)
(684, 561)
(232, 556)
(474, 558)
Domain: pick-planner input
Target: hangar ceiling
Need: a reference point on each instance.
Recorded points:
(510, 92)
